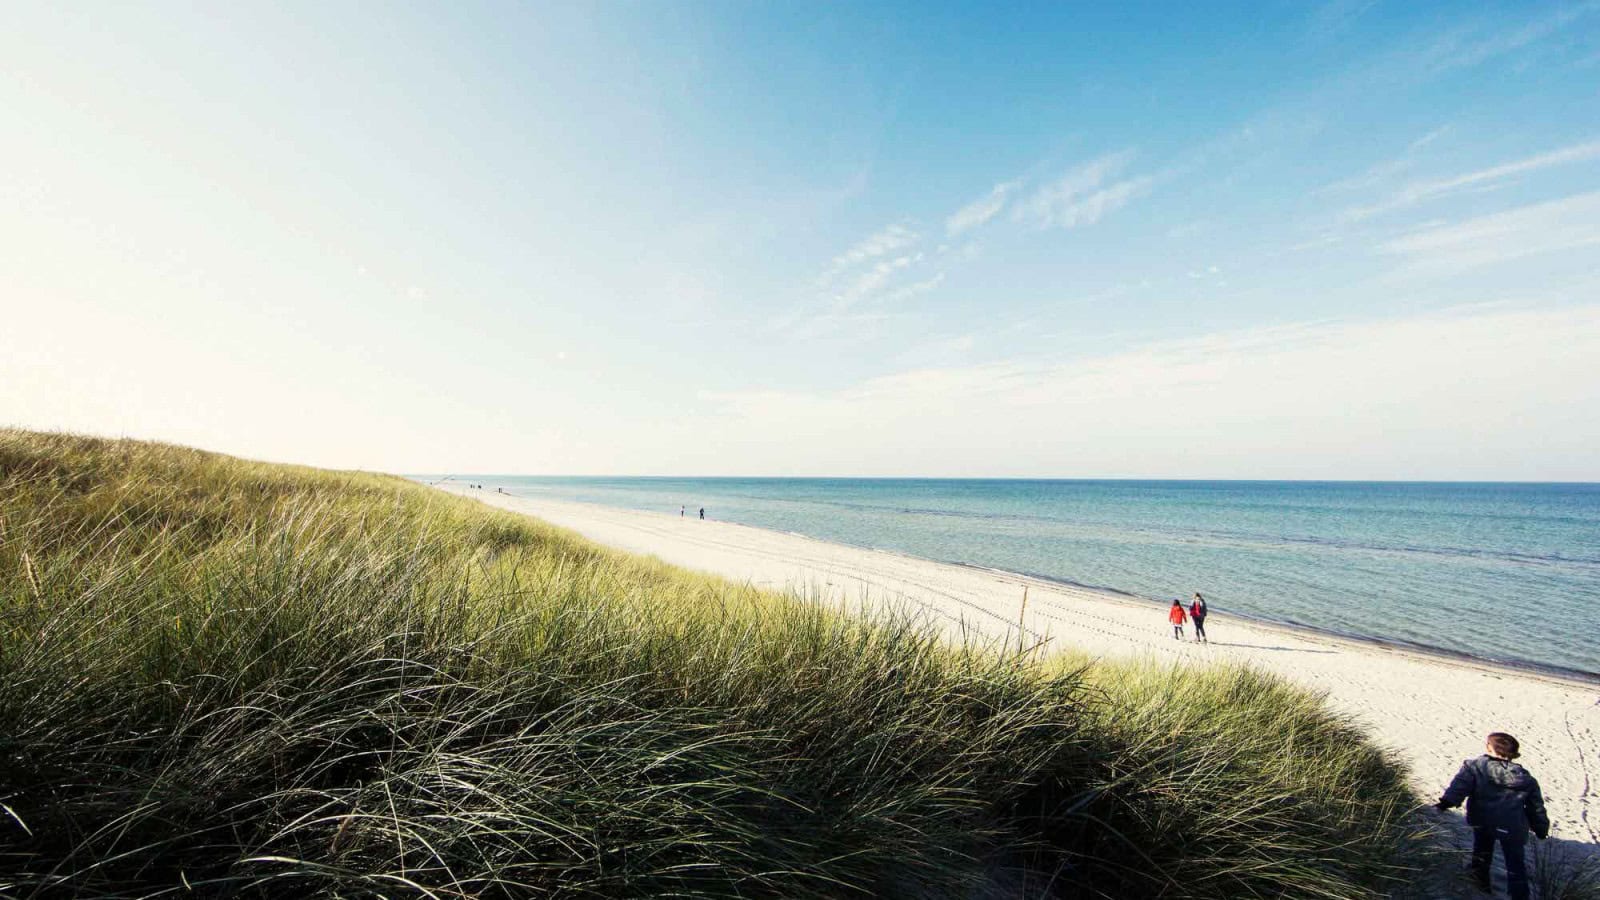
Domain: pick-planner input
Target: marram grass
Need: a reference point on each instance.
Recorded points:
(224, 678)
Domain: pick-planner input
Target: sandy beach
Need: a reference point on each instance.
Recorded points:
(1432, 709)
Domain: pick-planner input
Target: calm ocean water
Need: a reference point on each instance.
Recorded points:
(1508, 572)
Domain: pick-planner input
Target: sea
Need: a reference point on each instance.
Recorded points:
(1508, 573)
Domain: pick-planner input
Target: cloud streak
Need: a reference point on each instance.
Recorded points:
(1566, 224)
(872, 281)
(981, 210)
(1460, 49)
(1083, 196)
(865, 275)
(1419, 192)
(874, 270)
(1383, 171)
(888, 240)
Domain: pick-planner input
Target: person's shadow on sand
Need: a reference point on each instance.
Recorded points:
(1560, 867)
(1557, 867)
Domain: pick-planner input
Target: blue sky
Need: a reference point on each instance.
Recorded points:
(1356, 240)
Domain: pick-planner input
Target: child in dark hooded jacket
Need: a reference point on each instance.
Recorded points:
(1503, 804)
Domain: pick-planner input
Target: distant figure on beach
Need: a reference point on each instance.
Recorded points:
(702, 513)
(1197, 612)
(1176, 616)
(680, 511)
(1503, 804)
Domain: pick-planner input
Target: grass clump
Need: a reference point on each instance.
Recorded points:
(228, 678)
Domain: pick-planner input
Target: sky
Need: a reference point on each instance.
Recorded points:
(1357, 240)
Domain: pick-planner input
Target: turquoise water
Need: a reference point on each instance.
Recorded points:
(1507, 572)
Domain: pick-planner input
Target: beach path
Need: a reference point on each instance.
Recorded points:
(1433, 710)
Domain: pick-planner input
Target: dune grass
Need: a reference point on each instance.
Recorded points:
(225, 678)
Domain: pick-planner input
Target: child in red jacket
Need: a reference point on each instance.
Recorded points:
(1177, 617)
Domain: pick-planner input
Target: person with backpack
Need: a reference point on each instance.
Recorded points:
(1197, 612)
(1177, 617)
(1503, 804)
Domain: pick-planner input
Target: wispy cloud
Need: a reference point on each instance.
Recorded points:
(1428, 138)
(1098, 205)
(980, 210)
(1484, 179)
(1463, 48)
(1383, 171)
(870, 273)
(1566, 224)
(914, 289)
(871, 282)
(889, 267)
(888, 240)
(1083, 195)
(1335, 17)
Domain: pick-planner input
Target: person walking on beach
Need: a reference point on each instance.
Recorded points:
(1503, 804)
(680, 512)
(702, 513)
(1176, 616)
(1197, 612)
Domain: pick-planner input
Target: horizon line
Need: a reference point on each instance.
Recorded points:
(1177, 479)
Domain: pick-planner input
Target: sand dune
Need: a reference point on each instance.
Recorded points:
(1433, 710)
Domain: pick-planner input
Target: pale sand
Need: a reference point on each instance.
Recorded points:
(1433, 710)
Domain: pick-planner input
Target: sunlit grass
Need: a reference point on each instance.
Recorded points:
(230, 678)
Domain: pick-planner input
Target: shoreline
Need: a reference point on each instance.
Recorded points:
(1521, 668)
(1577, 678)
(1429, 709)
(1560, 674)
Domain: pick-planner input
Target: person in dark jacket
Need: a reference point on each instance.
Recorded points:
(1503, 804)
(1197, 615)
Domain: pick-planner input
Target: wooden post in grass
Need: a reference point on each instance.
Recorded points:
(1022, 632)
